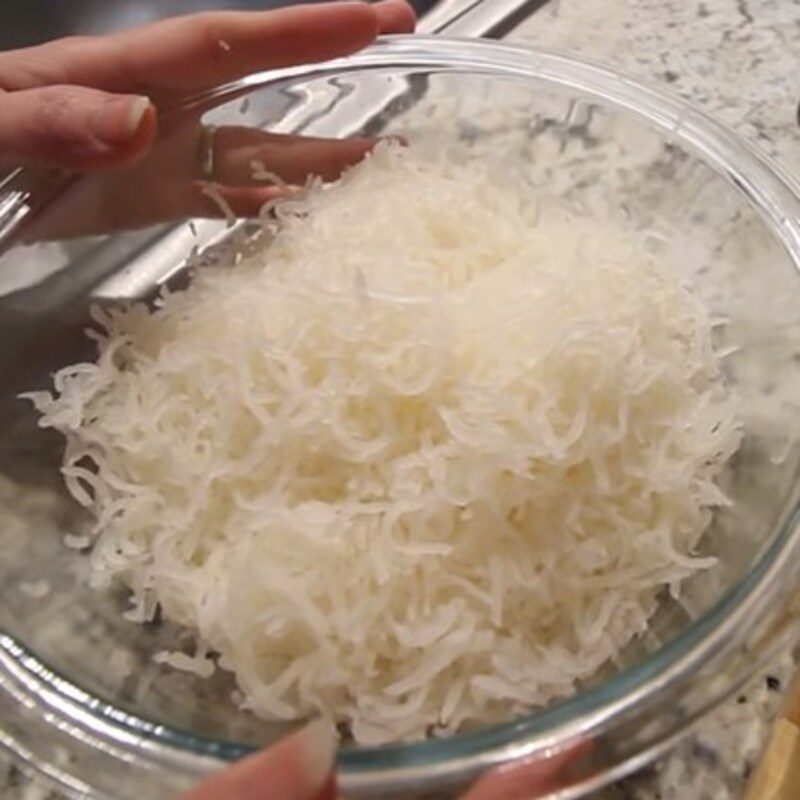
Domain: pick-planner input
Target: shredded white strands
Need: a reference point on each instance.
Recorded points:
(424, 460)
(213, 193)
(77, 542)
(200, 664)
(258, 172)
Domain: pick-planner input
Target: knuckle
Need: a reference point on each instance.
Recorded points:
(57, 109)
(212, 35)
(42, 64)
(69, 47)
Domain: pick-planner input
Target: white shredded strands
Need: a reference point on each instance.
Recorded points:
(424, 460)
(199, 665)
(213, 193)
(77, 541)
(258, 172)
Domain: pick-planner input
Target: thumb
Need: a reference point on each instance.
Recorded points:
(298, 768)
(74, 127)
(534, 776)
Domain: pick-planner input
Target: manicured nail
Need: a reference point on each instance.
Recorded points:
(316, 752)
(119, 118)
(136, 112)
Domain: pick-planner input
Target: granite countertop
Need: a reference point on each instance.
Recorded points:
(740, 61)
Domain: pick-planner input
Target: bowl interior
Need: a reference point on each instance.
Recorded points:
(574, 145)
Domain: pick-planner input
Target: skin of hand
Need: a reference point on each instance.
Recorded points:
(301, 767)
(100, 105)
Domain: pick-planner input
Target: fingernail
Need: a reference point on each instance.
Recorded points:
(316, 752)
(119, 118)
(136, 112)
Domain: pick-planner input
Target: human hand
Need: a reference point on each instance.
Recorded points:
(301, 767)
(90, 104)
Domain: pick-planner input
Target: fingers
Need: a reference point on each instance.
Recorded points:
(205, 49)
(52, 114)
(298, 768)
(529, 778)
(395, 16)
(74, 127)
(292, 158)
(201, 50)
(166, 186)
(170, 188)
(212, 201)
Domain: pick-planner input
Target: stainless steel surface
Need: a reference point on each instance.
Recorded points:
(487, 18)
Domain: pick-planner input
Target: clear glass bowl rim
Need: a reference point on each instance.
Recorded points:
(684, 666)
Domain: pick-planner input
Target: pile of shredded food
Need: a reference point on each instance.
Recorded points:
(424, 458)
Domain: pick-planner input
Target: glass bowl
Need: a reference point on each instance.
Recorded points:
(82, 701)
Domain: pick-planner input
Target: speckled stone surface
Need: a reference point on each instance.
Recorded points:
(740, 61)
